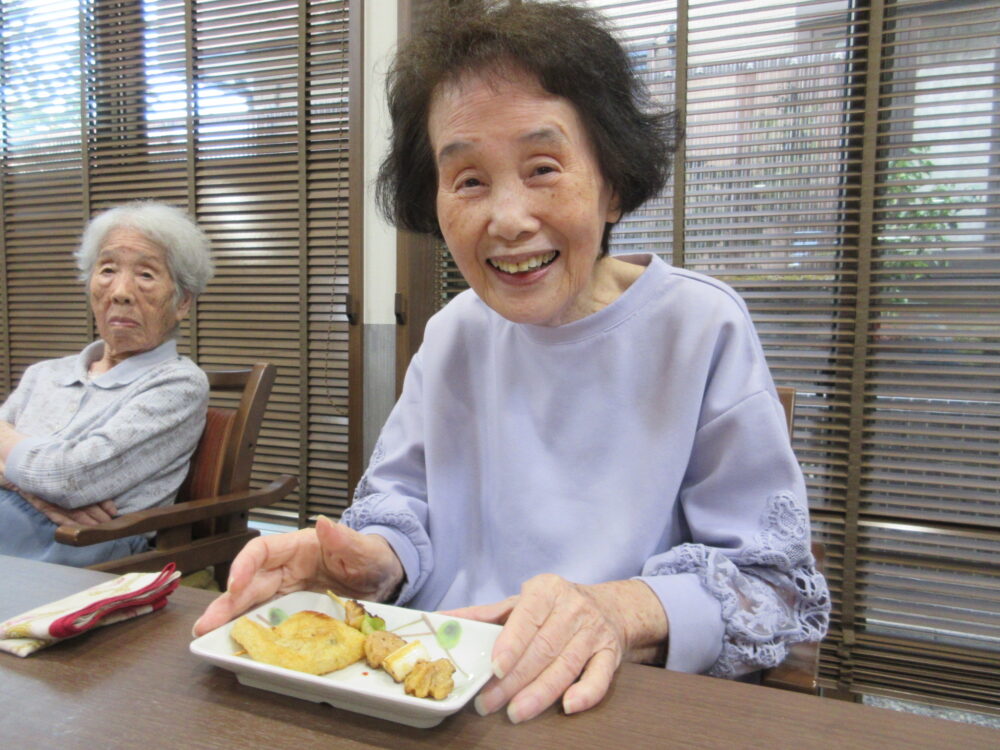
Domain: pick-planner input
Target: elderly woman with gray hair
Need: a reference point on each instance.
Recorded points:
(110, 430)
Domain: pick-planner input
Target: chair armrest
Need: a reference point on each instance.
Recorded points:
(179, 514)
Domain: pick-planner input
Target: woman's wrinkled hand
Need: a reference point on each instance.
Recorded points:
(331, 556)
(562, 639)
(88, 515)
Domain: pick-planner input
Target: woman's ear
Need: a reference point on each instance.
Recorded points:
(184, 307)
(614, 213)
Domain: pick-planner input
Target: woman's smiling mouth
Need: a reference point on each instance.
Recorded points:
(522, 266)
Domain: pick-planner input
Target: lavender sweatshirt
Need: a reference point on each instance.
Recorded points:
(643, 441)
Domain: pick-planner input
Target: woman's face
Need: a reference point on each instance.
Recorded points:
(521, 201)
(132, 295)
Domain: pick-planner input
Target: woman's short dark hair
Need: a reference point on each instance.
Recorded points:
(571, 52)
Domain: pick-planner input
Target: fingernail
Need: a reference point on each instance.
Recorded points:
(478, 705)
(481, 706)
(496, 665)
(522, 710)
(486, 702)
(194, 634)
(570, 706)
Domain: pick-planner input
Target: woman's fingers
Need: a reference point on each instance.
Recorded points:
(579, 687)
(550, 613)
(96, 513)
(593, 684)
(56, 514)
(259, 572)
(497, 613)
(330, 556)
(526, 697)
(554, 634)
(216, 614)
(88, 515)
(548, 685)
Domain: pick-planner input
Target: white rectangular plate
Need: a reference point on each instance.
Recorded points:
(360, 688)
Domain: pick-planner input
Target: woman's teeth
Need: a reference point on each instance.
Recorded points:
(525, 265)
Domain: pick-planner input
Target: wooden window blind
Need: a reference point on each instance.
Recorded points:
(840, 170)
(241, 112)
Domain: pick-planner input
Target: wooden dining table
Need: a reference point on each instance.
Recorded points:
(135, 684)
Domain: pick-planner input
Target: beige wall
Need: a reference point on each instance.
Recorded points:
(379, 237)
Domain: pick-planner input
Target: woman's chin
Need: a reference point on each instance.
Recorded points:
(119, 347)
(525, 298)
(527, 314)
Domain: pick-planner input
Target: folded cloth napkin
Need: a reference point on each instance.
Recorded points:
(121, 598)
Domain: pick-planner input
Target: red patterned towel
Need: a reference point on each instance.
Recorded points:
(121, 598)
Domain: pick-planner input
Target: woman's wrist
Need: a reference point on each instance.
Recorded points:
(396, 575)
(642, 622)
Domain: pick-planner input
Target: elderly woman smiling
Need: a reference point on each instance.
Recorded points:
(588, 449)
(110, 430)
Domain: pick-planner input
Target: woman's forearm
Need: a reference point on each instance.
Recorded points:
(9, 437)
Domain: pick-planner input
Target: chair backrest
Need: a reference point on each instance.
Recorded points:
(208, 525)
(223, 460)
(800, 669)
(786, 394)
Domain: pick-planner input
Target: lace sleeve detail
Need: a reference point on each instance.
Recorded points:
(373, 510)
(770, 591)
(362, 489)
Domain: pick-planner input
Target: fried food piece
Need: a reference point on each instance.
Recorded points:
(357, 616)
(379, 644)
(401, 661)
(354, 613)
(430, 679)
(307, 641)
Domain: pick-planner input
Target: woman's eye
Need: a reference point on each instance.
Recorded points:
(470, 182)
(544, 169)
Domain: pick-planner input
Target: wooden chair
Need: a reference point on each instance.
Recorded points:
(786, 395)
(207, 524)
(798, 671)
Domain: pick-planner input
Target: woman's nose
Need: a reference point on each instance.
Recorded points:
(512, 214)
(123, 289)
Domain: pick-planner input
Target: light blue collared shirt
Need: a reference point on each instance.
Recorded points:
(126, 435)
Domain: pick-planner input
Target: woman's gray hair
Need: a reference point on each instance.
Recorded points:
(187, 247)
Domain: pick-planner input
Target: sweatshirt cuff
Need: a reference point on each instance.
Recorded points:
(695, 621)
(14, 471)
(407, 553)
